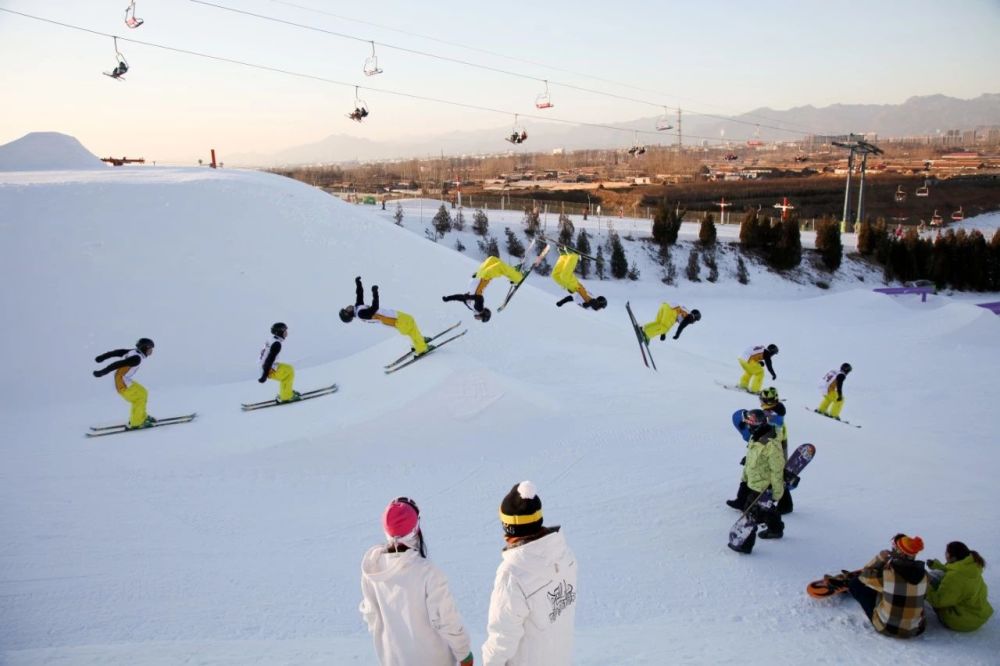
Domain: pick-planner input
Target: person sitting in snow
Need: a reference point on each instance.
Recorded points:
(891, 589)
(533, 605)
(406, 602)
(957, 592)
(489, 270)
(373, 314)
(665, 319)
(562, 273)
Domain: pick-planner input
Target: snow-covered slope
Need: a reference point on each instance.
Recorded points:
(47, 151)
(237, 539)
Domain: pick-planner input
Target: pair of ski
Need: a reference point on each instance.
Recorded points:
(832, 418)
(641, 337)
(274, 402)
(743, 533)
(531, 269)
(410, 357)
(118, 428)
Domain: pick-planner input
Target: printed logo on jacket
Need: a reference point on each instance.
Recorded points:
(561, 598)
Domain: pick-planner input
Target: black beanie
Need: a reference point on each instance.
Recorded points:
(521, 511)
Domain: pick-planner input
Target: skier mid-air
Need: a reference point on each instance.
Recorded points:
(373, 314)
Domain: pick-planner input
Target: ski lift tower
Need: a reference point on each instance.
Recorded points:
(864, 149)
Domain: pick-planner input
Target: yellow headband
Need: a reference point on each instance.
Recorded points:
(520, 520)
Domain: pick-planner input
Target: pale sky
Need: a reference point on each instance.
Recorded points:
(721, 57)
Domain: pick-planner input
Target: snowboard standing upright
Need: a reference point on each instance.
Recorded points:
(745, 527)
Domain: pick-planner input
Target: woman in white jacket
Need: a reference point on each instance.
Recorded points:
(405, 599)
(533, 607)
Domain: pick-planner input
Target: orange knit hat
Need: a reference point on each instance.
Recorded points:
(908, 545)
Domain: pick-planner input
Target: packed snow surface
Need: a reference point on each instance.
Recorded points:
(47, 151)
(237, 539)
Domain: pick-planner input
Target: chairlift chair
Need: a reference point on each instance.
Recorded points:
(663, 122)
(958, 215)
(119, 71)
(936, 220)
(371, 63)
(544, 101)
(517, 134)
(923, 190)
(900, 194)
(131, 20)
(360, 111)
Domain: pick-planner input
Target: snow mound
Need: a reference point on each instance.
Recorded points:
(47, 151)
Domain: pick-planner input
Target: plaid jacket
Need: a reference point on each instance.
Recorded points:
(902, 585)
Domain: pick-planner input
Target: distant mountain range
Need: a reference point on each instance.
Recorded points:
(916, 116)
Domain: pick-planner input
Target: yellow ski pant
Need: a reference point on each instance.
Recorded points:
(753, 376)
(408, 327)
(563, 275)
(830, 404)
(666, 317)
(135, 394)
(284, 373)
(493, 268)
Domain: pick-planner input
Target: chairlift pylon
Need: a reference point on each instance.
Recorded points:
(663, 123)
(371, 63)
(131, 20)
(517, 134)
(360, 111)
(544, 100)
(121, 67)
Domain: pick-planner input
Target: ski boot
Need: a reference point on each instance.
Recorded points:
(768, 533)
(295, 396)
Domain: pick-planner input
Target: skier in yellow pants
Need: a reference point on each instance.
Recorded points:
(833, 385)
(489, 270)
(271, 369)
(666, 317)
(753, 362)
(373, 314)
(131, 391)
(562, 273)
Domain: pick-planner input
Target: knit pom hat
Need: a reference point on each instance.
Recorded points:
(400, 519)
(909, 546)
(521, 510)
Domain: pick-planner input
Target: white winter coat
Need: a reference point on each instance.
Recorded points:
(410, 611)
(533, 607)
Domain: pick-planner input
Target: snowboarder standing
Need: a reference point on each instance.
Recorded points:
(489, 270)
(753, 362)
(665, 319)
(562, 274)
(406, 602)
(533, 605)
(833, 390)
(131, 391)
(373, 314)
(891, 589)
(763, 469)
(775, 411)
(271, 369)
(957, 593)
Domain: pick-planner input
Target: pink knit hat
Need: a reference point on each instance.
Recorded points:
(401, 518)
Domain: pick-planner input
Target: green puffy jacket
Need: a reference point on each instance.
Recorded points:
(765, 465)
(960, 597)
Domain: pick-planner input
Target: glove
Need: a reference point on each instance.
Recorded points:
(663, 337)
(262, 380)
(677, 336)
(357, 279)
(375, 289)
(791, 480)
(98, 373)
(773, 376)
(467, 661)
(743, 460)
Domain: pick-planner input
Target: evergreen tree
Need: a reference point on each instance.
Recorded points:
(398, 215)
(514, 246)
(666, 224)
(458, 224)
(583, 245)
(941, 259)
(532, 224)
(480, 223)
(458, 245)
(828, 243)
(442, 221)
(866, 238)
(566, 229)
(707, 232)
(786, 252)
(600, 270)
(749, 233)
(633, 272)
(713, 266)
(619, 263)
(694, 266)
(489, 247)
(993, 269)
